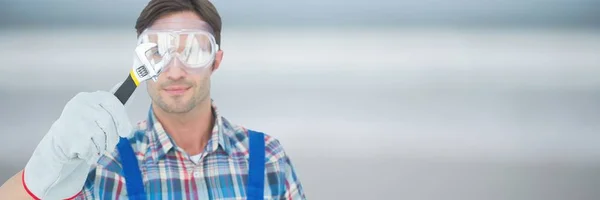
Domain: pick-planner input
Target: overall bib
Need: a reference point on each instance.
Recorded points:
(256, 173)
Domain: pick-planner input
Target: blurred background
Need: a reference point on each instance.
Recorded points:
(381, 99)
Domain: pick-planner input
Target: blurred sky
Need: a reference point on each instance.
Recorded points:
(492, 13)
(404, 99)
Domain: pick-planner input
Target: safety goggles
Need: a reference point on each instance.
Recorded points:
(191, 43)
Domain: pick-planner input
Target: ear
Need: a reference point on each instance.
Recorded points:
(218, 58)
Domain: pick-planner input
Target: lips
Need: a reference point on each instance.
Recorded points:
(176, 90)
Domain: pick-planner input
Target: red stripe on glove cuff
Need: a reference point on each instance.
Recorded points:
(33, 195)
(27, 189)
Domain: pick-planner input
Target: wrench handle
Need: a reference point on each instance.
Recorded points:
(127, 88)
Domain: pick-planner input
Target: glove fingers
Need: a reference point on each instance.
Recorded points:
(118, 115)
(105, 121)
(106, 137)
(71, 134)
(96, 144)
(88, 127)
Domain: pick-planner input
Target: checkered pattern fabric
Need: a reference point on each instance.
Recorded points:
(169, 173)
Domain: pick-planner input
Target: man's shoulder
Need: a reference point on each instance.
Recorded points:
(238, 136)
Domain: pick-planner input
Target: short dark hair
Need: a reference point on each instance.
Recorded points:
(158, 8)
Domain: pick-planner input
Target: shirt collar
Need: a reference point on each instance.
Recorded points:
(160, 143)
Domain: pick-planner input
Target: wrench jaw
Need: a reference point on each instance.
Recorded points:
(142, 70)
(142, 67)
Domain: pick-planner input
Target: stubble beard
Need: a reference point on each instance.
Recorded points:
(178, 105)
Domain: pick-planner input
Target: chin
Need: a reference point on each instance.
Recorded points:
(178, 107)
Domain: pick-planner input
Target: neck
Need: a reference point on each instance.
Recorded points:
(190, 131)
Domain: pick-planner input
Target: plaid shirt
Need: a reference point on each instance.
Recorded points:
(168, 172)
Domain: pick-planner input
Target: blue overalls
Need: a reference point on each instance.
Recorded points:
(256, 171)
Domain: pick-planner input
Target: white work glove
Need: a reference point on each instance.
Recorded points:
(89, 126)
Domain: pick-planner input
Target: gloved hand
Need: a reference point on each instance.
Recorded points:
(89, 126)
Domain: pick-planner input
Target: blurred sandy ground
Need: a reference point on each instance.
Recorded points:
(378, 113)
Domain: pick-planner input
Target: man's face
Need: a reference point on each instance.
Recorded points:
(176, 90)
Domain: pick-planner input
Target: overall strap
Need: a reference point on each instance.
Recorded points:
(131, 171)
(256, 172)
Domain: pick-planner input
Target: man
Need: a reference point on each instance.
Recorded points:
(183, 150)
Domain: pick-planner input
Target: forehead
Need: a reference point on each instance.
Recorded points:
(180, 20)
(179, 25)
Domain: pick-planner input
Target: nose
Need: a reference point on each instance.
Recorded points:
(174, 70)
